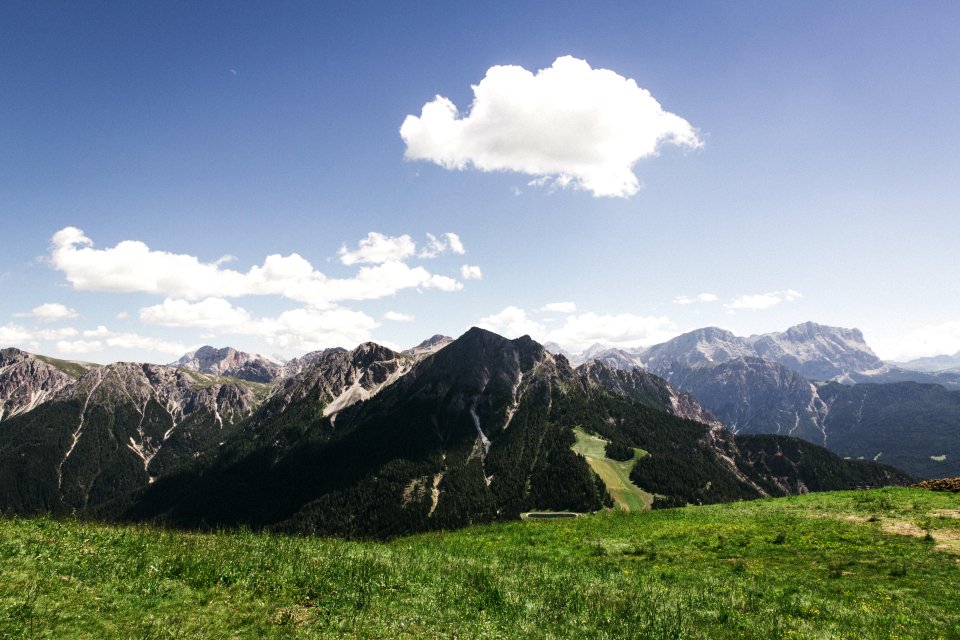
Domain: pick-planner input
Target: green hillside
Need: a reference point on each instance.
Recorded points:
(614, 473)
(867, 564)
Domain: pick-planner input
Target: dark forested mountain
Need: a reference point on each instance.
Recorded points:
(480, 430)
(646, 388)
(370, 442)
(912, 426)
(915, 427)
(753, 396)
(112, 431)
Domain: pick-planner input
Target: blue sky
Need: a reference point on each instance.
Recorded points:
(182, 144)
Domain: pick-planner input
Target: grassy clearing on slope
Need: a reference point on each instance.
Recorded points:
(784, 568)
(72, 368)
(614, 473)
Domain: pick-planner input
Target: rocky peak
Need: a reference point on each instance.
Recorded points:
(428, 346)
(338, 378)
(818, 352)
(26, 381)
(230, 362)
(710, 344)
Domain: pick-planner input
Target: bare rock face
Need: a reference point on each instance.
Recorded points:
(27, 381)
(428, 346)
(308, 360)
(232, 363)
(818, 352)
(338, 378)
(815, 351)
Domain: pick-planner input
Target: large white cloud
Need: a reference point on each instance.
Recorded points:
(928, 340)
(568, 124)
(619, 330)
(132, 266)
(580, 331)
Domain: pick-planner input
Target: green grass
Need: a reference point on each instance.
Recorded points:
(72, 368)
(614, 473)
(815, 566)
(205, 381)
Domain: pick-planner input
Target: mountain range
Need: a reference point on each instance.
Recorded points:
(371, 442)
(804, 381)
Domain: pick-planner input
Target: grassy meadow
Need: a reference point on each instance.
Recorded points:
(867, 564)
(614, 473)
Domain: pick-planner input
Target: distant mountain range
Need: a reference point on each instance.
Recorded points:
(934, 364)
(371, 442)
(773, 384)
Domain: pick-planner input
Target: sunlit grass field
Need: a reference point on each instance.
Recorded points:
(867, 564)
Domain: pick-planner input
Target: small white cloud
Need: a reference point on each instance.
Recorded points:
(702, 297)
(16, 335)
(560, 307)
(123, 341)
(447, 242)
(210, 313)
(122, 315)
(396, 316)
(567, 125)
(79, 347)
(758, 301)
(50, 312)
(377, 248)
(54, 334)
(512, 322)
(471, 272)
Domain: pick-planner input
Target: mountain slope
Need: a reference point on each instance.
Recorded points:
(26, 381)
(481, 430)
(912, 426)
(114, 430)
